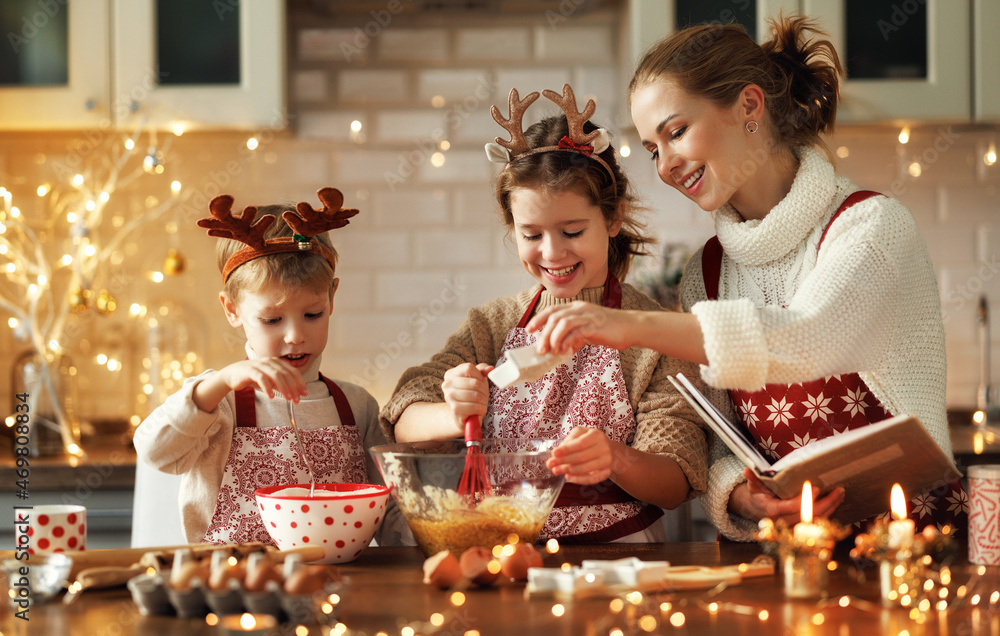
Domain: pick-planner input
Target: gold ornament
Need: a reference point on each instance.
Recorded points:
(174, 263)
(79, 300)
(105, 303)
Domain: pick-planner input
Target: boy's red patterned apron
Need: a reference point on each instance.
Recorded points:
(261, 457)
(589, 390)
(783, 417)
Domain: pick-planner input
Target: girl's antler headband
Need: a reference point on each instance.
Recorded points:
(306, 221)
(588, 144)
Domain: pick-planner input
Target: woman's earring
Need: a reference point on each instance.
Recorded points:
(752, 126)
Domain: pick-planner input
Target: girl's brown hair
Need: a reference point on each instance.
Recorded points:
(798, 73)
(562, 170)
(290, 269)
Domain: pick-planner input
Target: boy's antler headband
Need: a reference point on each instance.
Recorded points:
(588, 144)
(306, 223)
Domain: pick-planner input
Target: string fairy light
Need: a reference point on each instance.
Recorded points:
(52, 258)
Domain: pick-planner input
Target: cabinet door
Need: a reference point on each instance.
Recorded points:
(202, 64)
(986, 60)
(651, 20)
(54, 66)
(905, 59)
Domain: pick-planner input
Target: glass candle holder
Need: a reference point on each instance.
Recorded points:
(806, 575)
(900, 581)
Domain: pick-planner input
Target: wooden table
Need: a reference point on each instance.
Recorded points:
(385, 593)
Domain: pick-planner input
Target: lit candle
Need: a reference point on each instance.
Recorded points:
(245, 624)
(900, 530)
(806, 530)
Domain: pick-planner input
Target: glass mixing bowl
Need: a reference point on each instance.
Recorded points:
(425, 476)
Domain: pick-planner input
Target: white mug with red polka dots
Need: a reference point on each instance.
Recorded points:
(56, 528)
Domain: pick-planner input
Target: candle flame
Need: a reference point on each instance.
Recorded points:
(247, 621)
(807, 502)
(897, 502)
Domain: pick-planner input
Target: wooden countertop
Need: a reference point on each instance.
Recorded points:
(385, 593)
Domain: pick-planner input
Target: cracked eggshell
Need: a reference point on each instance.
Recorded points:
(442, 570)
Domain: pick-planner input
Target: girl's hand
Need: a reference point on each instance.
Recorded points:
(584, 456)
(467, 391)
(753, 500)
(566, 328)
(271, 375)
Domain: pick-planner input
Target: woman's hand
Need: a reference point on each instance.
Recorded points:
(566, 328)
(467, 391)
(584, 456)
(753, 500)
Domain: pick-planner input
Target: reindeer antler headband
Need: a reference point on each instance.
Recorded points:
(307, 222)
(588, 144)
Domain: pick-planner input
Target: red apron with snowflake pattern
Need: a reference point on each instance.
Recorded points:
(261, 457)
(783, 417)
(589, 390)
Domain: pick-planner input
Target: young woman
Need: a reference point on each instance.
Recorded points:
(815, 305)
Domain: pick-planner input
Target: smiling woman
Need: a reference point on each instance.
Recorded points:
(813, 293)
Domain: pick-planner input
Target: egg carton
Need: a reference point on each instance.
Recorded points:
(154, 594)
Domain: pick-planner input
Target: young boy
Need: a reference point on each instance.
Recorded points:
(228, 431)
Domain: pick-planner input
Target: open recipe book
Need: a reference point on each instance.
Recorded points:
(866, 461)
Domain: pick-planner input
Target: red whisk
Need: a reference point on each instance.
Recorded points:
(475, 482)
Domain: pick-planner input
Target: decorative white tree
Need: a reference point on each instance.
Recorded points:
(54, 257)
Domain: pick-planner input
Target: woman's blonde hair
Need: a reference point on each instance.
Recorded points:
(289, 269)
(798, 73)
(560, 171)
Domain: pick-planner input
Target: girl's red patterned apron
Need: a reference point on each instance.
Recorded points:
(261, 457)
(783, 417)
(589, 390)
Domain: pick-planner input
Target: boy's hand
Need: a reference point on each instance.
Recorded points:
(271, 375)
(466, 391)
(584, 456)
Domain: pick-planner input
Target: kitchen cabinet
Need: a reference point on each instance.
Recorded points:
(652, 20)
(182, 63)
(72, 37)
(986, 60)
(906, 59)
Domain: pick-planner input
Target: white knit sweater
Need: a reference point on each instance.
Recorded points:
(867, 302)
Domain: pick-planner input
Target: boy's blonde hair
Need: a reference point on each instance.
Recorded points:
(289, 269)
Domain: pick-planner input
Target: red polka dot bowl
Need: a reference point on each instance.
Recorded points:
(341, 518)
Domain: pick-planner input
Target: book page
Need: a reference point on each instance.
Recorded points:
(735, 437)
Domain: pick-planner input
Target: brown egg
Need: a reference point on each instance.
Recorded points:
(260, 572)
(479, 566)
(228, 570)
(182, 577)
(309, 579)
(515, 564)
(442, 570)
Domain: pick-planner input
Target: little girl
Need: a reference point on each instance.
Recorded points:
(631, 445)
(226, 431)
